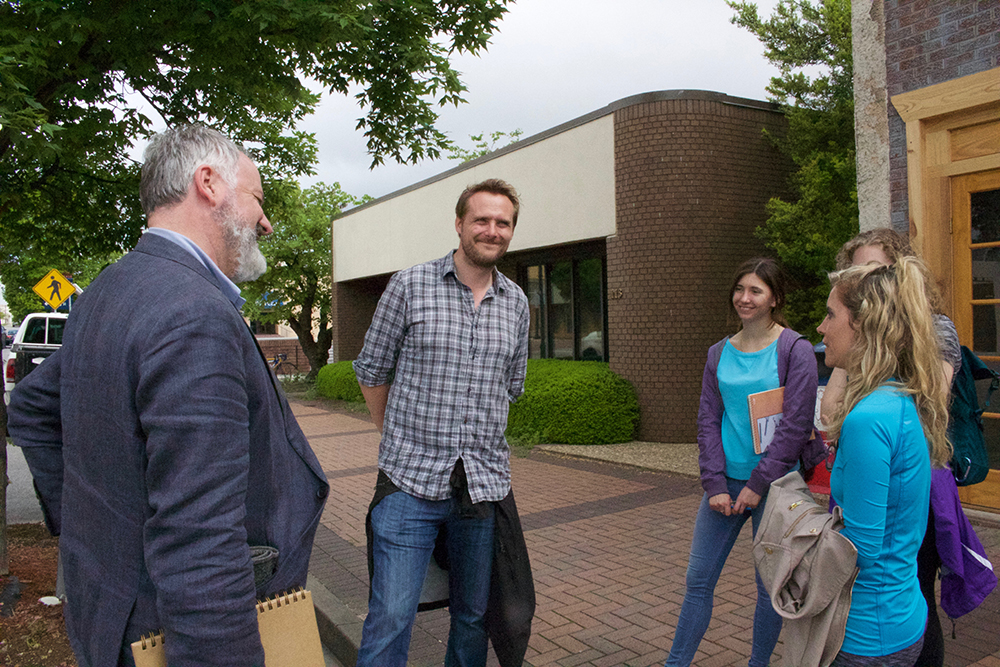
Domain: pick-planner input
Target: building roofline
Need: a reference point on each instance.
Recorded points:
(632, 100)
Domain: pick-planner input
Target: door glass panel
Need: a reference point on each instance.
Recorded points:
(561, 310)
(991, 426)
(984, 330)
(991, 433)
(590, 293)
(986, 273)
(985, 216)
(985, 285)
(535, 291)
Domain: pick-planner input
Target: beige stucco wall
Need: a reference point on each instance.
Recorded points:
(567, 187)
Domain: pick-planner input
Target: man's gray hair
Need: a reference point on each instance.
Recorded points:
(172, 157)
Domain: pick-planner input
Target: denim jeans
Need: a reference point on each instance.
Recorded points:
(405, 528)
(714, 537)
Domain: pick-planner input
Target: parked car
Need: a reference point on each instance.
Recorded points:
(39, 335)
(10, 335)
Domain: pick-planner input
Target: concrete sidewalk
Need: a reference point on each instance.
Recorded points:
(608, 540)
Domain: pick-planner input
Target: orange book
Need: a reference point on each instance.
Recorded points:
(765, 412)
(288, 632)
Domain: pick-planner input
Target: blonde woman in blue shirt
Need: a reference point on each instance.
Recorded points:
(890, 429)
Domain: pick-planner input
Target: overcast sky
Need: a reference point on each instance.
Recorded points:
(553, 61)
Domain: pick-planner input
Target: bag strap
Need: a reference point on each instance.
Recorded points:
(978, 370)
(788, 361)
(715, 354)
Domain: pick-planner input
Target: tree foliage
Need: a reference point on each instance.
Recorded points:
(297, 288)
(483, 145)
(811, 44)
(68, 71)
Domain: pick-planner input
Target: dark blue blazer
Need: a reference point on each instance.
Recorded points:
(160, 430)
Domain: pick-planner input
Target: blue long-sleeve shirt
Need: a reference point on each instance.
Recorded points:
(881, 479)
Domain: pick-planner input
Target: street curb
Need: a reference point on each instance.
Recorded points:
(339, 628)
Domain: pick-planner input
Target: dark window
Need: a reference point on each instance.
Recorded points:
(35, 333)
(568, 316)
(56, 327)
(263, 328)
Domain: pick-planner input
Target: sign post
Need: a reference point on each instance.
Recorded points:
(54, 289)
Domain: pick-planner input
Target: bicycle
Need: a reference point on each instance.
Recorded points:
(281, 366)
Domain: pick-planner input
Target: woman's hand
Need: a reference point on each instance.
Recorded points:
(746, 500)
(721, 503)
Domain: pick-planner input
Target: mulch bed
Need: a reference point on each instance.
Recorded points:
(35, 635)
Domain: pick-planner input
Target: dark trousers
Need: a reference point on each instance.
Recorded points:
(928, 564)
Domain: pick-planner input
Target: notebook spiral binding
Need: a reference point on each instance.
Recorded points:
(152, 638)
(281, 599)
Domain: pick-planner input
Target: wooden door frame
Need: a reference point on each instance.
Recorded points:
(934, 116)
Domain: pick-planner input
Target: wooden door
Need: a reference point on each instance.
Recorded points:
(976, 285)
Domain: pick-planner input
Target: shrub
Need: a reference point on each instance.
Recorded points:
(573, 403)
(338, 381)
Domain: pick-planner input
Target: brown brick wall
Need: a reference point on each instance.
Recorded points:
(692, 178)
(354, 305)
(929, 42)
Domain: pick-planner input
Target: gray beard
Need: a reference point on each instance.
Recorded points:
(241, 241)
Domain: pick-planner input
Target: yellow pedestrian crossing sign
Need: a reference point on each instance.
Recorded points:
(54, 289)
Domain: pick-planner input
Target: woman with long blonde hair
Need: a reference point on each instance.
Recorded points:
(886, 246)
(890, 428)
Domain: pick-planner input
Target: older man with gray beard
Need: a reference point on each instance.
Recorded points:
(163, 450)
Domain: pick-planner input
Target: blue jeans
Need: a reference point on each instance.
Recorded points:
(405, 528)
(714, 537)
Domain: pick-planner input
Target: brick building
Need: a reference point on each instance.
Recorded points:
(633, 218)
(926, 44)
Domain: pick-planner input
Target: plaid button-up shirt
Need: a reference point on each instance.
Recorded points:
(453, 371)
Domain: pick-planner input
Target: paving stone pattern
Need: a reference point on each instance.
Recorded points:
(608, 545)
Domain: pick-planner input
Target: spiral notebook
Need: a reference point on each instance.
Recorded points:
(288, 632)
(765, 414)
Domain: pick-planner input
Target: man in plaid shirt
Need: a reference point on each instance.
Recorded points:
(444, 356)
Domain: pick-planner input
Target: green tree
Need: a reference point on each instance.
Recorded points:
(67, 125)
(483, 145)
(297, 288)
(811, 44)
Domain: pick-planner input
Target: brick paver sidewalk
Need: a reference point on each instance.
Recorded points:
(608, 545)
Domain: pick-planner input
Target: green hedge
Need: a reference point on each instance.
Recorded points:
(338, 381)
(574, 403)
(564, 402)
